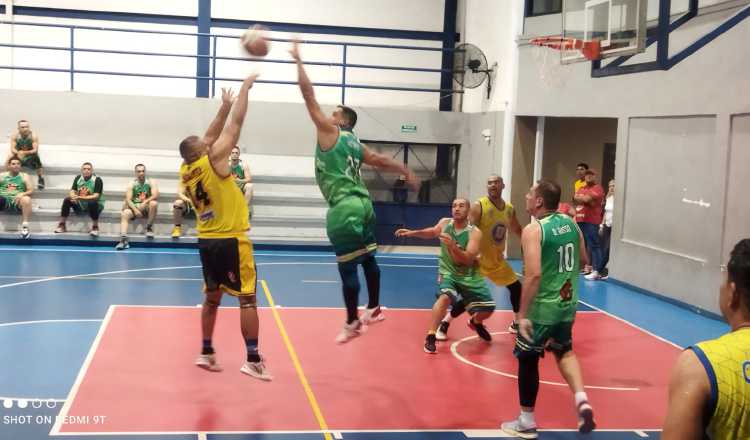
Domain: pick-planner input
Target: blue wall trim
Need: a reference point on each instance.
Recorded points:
(203, 65)
(676, 302)
(99, 15)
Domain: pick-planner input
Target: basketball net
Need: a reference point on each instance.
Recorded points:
(552, 73)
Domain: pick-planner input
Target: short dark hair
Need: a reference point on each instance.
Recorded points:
(22, 120)
(550, 192)
(187, 144)
(583, 165)
(350, 115)
(468, 202)
(140, 165)
(12, 158)
(738, 268)
(87, 163)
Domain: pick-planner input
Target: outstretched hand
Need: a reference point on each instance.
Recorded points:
(402, 232)
(250, 80)
(294, 51)
(227, 96)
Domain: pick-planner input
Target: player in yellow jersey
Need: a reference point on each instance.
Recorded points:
(493, 216)
(709, 392)
(226, 252)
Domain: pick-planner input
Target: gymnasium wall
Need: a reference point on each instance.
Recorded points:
(682, 136)
(420, 15)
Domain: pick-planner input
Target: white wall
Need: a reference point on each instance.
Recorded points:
(419, 15)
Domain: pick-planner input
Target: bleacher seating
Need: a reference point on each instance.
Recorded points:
(287, 205)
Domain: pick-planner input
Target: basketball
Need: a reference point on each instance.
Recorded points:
(255, 42)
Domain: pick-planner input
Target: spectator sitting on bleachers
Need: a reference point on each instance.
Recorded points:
(243, 179)
(140, 200)
(15, 192)
(25, 145)
(181, 208)
(86, 194)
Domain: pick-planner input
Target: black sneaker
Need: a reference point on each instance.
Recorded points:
(480, 329)
(40, 183)
(430, 344)
(442, 333)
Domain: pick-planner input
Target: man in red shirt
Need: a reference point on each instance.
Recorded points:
(589, 210)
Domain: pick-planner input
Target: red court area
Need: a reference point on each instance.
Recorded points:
(142, 376)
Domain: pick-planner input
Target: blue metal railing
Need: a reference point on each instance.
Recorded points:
(213, 57)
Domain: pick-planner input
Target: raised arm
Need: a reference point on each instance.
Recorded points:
(214, 130)
(218, 154)
(426, 233)
(385, 163)
(327, 132)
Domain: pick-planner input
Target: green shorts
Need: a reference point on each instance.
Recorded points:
(557, 338)
(350, 225)
(31, 161)
(473, 293)
(9, 203)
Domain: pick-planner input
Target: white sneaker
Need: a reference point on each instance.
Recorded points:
(371, 316)
(350, 331)
(593, 276)
(94, 232)
(516, 428)
(208, 362)
(586, 421)
(257, 370)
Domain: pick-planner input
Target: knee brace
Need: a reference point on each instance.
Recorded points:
(248, 302)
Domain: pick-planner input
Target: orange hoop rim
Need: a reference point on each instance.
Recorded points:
(591, 49)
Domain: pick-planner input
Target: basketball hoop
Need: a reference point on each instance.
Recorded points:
(591, 50)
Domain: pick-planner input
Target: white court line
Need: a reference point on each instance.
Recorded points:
(454, 351)
(195, 252)
(45, 321)
(623, 321)
(349, 431)
(82, 373)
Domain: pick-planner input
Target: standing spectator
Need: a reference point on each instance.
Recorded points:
(399, 190)
(243, 179)
(25, 145)
(15, 192)
(140, 200)
(86, 194)
(581, 169)
(567, 209)
(605, 230)
(588, 202)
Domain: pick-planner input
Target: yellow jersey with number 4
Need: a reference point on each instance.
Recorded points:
(221, 210)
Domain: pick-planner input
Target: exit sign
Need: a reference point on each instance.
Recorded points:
(408, 128)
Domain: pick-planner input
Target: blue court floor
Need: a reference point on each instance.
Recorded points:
(53, 301)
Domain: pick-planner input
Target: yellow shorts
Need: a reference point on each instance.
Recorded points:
(501, 274)
(228, 265)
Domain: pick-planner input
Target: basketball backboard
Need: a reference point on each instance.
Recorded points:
(618, 25)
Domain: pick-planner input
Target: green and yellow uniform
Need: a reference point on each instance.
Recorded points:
(26, 144)
(554, 308)
(462, 283)
(10, 187)
(221, 216)
(727, 364)
(494, 223)
(350, 221)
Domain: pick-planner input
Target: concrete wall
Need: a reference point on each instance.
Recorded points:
(159, 122)
(681, 153)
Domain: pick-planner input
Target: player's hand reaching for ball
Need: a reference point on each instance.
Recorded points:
(227, 96)
(250, 80)
(294, 51)
(402, 232)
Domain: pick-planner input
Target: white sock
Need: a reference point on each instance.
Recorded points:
(448, 317)
(581, 397)
(24, 224)
(527, 418)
